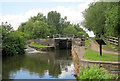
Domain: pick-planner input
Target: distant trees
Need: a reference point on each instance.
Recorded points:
(69, 30)
(102, 18)
(13, 42)
(54, 19)
(40, 30)
(39, 26)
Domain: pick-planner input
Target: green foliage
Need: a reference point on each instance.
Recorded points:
(87, 43)
(36, 45)
(94, 17)
(110, 47)
(52, 30)
(54, 18)
(102, 18)
(40, 30)
(112, 21)
(94, 72)
(39, 26)
(69, 30)
(82, 33)
(12, 41)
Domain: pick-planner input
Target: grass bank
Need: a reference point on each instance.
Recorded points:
(95, 55)
(87, 43)
(108, 46)
(37, 45)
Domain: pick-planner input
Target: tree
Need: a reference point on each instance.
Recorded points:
(63, 24)
(52, 30)
(82, 34)
(54, 25)
(12, 41)
(69, 30)
(112, 21)
(54, 18)
(39, 17)
(95, 16)
(21, 27)
(40, 30)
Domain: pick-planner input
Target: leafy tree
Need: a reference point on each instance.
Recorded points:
(63, 24)
(40, 30)
(69, 30)
(12, 41)
(21, 27)
(39, 17)
(54, 18)
(95, 16)
(82, 34)
(52, 30)
(35, 27)
(112, 21)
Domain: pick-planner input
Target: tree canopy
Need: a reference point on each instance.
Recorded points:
(102, 18)
(13, 42)
(41, 26)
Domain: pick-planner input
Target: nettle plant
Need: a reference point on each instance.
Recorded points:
(94, 72)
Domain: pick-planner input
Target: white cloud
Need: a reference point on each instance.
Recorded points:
(72, 15)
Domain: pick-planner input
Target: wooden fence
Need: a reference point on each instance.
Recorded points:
(112, 40)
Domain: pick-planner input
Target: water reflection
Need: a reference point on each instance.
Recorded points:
(54, 64)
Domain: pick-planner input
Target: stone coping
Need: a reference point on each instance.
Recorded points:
(102, 62)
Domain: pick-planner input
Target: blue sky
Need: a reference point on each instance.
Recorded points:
(16, 12)
(22, 7)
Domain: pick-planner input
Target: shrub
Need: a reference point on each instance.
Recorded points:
(13, 44)
(94, 72)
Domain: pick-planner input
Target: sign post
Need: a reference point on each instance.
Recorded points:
(100, 42)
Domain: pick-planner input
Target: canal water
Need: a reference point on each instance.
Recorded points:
(55, 64)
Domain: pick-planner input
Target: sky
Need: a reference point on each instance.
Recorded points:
(17, 11)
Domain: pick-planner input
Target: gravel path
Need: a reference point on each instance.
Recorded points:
(96, 48)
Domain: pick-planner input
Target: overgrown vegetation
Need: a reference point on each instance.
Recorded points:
(13, 42)
(87, 43)
(41, 26)
(95, 72)
(36, 45)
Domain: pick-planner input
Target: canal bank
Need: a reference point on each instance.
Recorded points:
(78, 53)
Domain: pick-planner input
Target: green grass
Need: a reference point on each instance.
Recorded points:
(109, 46)
(95, 55)
(37, 45)
(87, 43)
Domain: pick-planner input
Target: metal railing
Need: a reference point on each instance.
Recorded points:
(67, 36)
